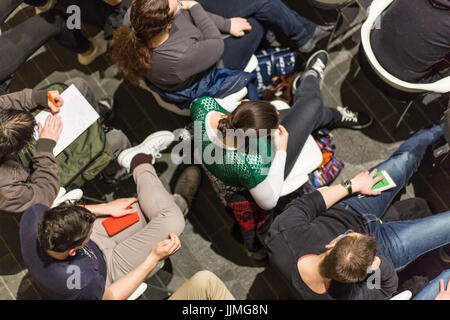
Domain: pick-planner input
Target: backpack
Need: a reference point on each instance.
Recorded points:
(273, 62)
(330, 168)
(83, 159)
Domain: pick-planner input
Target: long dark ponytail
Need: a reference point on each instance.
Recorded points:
(250, 115)
(131, 51)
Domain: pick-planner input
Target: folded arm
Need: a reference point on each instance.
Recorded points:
(267, 193)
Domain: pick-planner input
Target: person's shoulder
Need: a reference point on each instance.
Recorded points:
(33, 213)
(204, 103)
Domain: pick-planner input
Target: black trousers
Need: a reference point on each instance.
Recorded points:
(306, 115)
(20, 42)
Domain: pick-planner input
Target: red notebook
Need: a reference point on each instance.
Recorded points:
(115, 225)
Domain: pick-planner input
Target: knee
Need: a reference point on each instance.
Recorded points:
(81, 85)
(178, 222)
(203, 279)
(257, 27)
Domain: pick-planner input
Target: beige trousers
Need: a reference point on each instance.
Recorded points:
(158, 214)
(203, 285)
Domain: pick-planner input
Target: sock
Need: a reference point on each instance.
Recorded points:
(309, 73)
(140, 159)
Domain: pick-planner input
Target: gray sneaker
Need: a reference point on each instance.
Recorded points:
(187, 185)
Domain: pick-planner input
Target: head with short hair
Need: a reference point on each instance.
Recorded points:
(131, 43)
(349, 257)
(257, 115)
(16, 131)
(64, 228)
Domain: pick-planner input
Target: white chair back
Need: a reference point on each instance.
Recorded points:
(376, 9)
(405, 295)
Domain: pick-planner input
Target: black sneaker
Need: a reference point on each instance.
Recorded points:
(317, 62)
(353, 120)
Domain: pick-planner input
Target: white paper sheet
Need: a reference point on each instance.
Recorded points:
(77, 115)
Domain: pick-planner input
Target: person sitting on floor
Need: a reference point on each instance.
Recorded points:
(57, 241)
(414, 52)
(21, 188)
(173, 44)
(257, 171)
(328, 247)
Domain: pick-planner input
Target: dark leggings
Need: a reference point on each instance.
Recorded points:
(306, 115)
(20, 42)
(237, 51)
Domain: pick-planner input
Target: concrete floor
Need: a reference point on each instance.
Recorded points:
(207, 241)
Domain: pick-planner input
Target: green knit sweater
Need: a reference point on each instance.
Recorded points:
(236, 168)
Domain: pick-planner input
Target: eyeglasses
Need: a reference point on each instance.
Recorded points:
(343, 235)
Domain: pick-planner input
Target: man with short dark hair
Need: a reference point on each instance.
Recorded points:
(327, 248)
(69, 253)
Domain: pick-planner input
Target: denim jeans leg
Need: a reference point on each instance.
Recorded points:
(400, 166)
(432, 289)
(404, 241)
(271, 13)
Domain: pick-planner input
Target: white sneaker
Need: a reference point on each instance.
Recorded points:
(100, 47)
(153, 144)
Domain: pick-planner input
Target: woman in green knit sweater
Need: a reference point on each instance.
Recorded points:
(247, 145)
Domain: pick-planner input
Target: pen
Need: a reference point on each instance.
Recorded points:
(52, 100)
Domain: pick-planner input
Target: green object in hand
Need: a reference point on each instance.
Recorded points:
(381, 184)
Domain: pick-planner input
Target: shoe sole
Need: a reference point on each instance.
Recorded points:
(124, 153)
(364, 126)
(357, 127)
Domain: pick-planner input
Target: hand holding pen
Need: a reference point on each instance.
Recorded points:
(55, 102)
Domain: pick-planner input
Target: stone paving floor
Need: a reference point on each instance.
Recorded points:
(208, 241)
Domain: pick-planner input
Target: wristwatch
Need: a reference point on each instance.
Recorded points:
(348, 185)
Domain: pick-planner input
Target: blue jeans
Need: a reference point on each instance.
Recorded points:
(403, 241)
(271, 13)
(432, 289)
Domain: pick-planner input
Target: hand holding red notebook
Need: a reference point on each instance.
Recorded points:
(114, 225)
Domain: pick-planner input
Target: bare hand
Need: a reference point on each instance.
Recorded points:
(119, 207)
(59, 102)
(166, 248)
(364, 182)
(52, 128)
(281, 137)
(443, 294)
(238, 27)
(188, 4)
